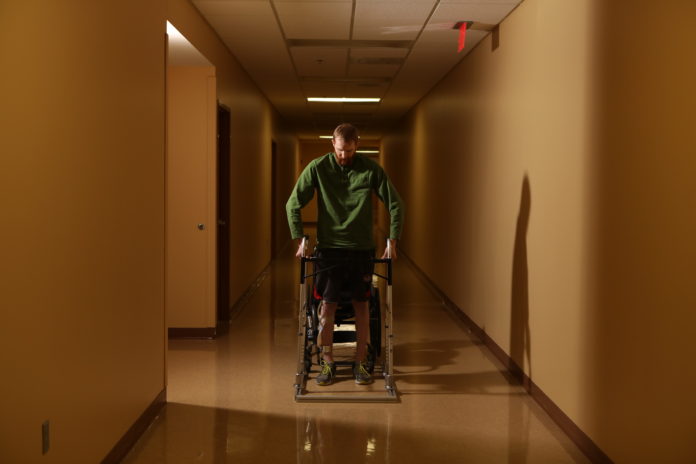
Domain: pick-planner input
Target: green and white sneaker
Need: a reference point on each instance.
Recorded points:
(362, 375)
(327, 374)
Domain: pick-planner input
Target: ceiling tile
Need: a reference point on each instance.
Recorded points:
(372, 70)
(324, 107)
(484, 2)
(488, 13)
(319, 89)
(377, 52)
(365, 90)
(384, 20)
(314, 20)
(378, 64)
(310, 1)
(320, 61)
(235, 7)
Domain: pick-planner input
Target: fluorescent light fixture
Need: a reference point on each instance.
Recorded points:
(367, 151)
(328, 136)
(344, 100)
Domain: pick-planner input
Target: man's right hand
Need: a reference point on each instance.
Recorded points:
(300, 248)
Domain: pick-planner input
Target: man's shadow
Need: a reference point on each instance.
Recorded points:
(520, 340)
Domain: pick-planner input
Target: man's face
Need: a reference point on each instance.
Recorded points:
(345, 150)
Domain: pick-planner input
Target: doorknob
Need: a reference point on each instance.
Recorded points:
(201, 226)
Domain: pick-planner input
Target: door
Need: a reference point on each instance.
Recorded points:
(223, 215)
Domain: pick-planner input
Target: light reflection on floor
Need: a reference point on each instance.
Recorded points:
(231, 399)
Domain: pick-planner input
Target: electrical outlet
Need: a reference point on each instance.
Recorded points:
(45, 437)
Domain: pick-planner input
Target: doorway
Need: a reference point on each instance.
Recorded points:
(223, 215)
(190, 198)
(274, 202)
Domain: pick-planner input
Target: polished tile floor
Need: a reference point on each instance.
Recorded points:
(231, 400)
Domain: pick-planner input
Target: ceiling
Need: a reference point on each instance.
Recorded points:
(396, 50)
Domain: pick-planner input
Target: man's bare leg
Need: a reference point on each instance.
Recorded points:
(326, 329)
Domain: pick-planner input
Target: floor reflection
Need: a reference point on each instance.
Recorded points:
(231, 399)
(320, 437)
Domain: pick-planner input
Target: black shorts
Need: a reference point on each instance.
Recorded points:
(343, 273)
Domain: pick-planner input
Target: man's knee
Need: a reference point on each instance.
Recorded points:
(327, 314)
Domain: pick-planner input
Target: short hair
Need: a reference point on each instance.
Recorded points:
(347, 132)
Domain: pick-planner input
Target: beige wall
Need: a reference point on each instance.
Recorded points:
(191, 198)
(254, 125)
(285, 181)
(82, 238)
(82, 140)
(548, 190)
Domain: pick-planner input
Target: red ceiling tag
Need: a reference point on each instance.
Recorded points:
(462, 37)
(462, 26)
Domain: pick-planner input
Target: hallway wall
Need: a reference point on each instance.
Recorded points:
(82, 236)
(82, 147)
(254, 125)
(547, 180)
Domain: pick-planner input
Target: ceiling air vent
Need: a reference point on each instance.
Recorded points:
(378, 60)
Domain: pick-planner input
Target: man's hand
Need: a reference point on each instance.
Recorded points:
(300, 248)
(392, 248)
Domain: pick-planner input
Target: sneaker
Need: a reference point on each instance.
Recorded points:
(327, 374)
(362, 375)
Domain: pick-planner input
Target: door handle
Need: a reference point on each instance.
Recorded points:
(201, 226)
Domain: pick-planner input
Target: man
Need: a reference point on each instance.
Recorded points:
(344, 182)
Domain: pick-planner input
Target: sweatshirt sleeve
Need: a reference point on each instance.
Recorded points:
(300, 196)
(393, 202)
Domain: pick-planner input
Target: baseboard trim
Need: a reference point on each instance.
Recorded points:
(565, 423)
(206, 333)
(124, 445)
(209, 333)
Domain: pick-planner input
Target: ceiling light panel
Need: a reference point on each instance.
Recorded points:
(314, 20)
(320, 61)
(387, 20)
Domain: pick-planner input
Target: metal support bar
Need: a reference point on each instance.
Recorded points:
(389, 394)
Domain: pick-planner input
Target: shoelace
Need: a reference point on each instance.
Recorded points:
(326, 369)
(362, 371)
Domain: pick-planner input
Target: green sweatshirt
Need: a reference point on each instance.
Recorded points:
(344, 202)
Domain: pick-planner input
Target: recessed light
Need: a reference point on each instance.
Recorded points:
(344, 100)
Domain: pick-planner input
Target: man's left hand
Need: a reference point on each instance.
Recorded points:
(391, 248)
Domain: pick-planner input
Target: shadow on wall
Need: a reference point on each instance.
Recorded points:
(520, 340)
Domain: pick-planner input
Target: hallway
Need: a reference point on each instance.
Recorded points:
(547, 170)
(231, 399)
